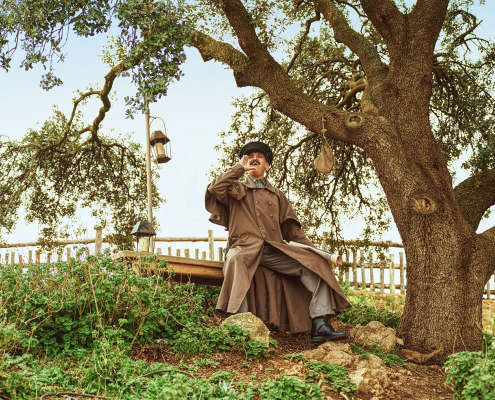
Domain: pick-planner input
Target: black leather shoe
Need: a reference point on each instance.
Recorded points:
(322, 331)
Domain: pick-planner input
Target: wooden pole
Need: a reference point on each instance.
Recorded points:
(68, 253)
(354, 268)
(98, 239)
(177, 252)
(159, 251)
(196, 254)
(324, 244)
(372, 272)
(401, 275)
(12, 257)
(347, 268)
(30, 257)
(148, 163)
(186, 253)
(6, 258)
(363, 270)
(37, 257)
(220, 254)
(169, 251)
(391, 271)
(203, 255)
(382, 274)
(211, 245)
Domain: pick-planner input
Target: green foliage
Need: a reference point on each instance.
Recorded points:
(289, 387)
(69, 305)
(362, 313)
(472, 374)
(390, 358)
(337, 374)
(55, 170)
(200, 339)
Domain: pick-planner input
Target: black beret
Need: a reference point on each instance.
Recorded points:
(257, 146)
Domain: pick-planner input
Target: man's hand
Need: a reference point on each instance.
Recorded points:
(244, 163)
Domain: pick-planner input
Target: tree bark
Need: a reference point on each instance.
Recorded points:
(448, 264)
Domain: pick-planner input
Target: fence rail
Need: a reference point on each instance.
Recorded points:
(370, 271)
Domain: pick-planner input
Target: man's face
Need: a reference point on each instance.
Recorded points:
(257, 160)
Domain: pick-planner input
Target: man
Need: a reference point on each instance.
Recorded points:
(281, 284)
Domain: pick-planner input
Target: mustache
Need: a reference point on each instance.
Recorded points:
(254, 162)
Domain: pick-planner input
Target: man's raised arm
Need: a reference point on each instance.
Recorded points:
(223, 186)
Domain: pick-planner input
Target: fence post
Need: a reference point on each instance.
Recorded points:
(20, 260)
(363, 270)
(347, 268)
(186, 253)
(196, 254)
(372, 272)
(7, 258)
(401, 266)
(211, 244)
(169, 251)
(203, 257)
(59, 256)
(220, 254)
(37, 257)
(49, 258)
(12, 257)
(68, 253)
(177, 252)
(30, 257)
(159, 251)
(354, 268)
(324, 245)
(382, 274)
(98, 239)
(392, 274)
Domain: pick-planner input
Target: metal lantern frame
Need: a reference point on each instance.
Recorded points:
(144, 229)
(160, 145)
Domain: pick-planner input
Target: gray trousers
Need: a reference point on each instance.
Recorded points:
(275, 260)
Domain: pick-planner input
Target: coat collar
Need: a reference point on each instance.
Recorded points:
(251, 185)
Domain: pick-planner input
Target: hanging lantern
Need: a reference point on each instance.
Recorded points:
(161, 144)
(143, 230)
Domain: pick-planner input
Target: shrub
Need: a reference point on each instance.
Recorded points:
(362, 313)
(289, 387)
(472, 374)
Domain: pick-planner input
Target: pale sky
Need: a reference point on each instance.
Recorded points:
(195, 110)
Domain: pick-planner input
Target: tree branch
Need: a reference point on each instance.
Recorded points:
(475, 195)
(375, 69)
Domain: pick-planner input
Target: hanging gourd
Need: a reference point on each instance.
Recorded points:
(325, 160)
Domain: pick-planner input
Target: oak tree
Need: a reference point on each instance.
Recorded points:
(394, 88)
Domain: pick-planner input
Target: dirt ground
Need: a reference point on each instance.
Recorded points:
(408, 382)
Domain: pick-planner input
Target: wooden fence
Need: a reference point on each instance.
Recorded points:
(365, 269)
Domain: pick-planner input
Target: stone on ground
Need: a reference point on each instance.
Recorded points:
(376, 333)
(252, 324)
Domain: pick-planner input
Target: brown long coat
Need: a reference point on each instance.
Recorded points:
(255, 216)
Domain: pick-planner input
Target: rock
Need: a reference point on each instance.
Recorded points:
(340, 358)
(370, 375)
(252, 324)
(332, 349)
(376, 333)
(295, 370)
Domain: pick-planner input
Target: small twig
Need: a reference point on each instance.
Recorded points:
(70, 394)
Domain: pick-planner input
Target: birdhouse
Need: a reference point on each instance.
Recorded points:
(161, 145)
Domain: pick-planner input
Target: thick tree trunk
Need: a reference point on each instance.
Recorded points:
(446, 266)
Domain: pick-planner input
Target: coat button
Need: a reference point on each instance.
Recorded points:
(261, 227)
(270, 202)
(273, 229)
(256, 201)
(239, 235)
(271, 215)
(254, 190)
(258, 214)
